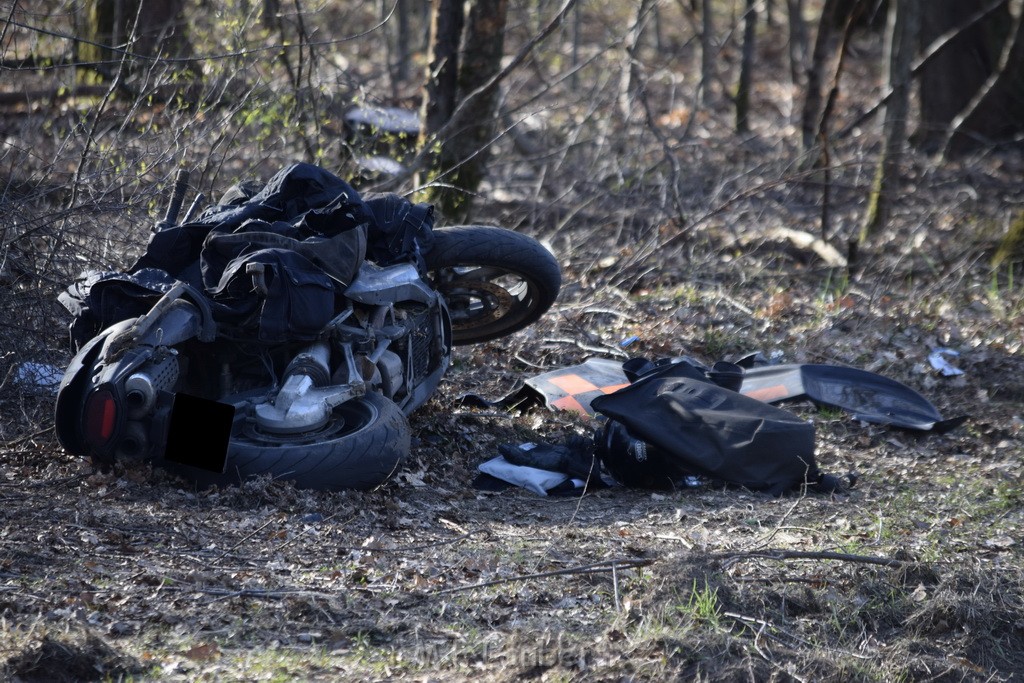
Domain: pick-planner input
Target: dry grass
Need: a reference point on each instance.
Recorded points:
(132, 575)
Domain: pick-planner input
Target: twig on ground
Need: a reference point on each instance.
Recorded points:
(764, 626)
(260, 593)
(604, 566)
(484, 413)
(244, 539)
(778, 579)
(592, 339)
(528, 363)
(585, 347)
(424, 546)
(14, 443)
(615, 588)
(733, 558)
(782, 522)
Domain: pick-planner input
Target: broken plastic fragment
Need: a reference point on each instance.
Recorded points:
(937, 358)
(39, 375)
(530, 478)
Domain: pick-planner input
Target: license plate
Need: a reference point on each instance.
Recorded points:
(199, 432)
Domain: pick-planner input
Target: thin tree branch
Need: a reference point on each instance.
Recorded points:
(597, 567)
(126, 53)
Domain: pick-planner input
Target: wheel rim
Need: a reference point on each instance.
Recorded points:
(347, 419)
(485, 297)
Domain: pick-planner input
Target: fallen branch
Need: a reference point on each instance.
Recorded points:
(779, 579)
(598, 567)
(809, 555)
(256, 593)
(422, 546)
(15, 443)
(586, 347)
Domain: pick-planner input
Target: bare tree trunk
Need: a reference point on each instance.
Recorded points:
(797, 41)
(446, 23)
(462, 161)
(953, 76)
(746, 66)
(404, 40)
(577, 29)
(902, 39)
(147, 28)
(997, 111)
(630, 78)
(823, 50)
(268, 13)
(398, 42)
(707, 50)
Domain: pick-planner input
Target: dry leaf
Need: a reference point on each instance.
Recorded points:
(204, 652)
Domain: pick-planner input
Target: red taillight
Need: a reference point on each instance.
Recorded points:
(100, 417)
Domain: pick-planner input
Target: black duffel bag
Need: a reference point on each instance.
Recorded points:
(674, 422)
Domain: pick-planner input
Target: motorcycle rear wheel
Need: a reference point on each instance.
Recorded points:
(361, 446)
(496, 281)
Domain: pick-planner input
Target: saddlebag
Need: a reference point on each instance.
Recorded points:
(675, 422)
(293, 301)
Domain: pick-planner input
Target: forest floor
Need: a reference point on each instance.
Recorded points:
(915, 574)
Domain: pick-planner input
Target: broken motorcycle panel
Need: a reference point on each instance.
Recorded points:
(868, 396)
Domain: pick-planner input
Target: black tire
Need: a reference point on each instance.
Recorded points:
(496, 281)
(360, 447)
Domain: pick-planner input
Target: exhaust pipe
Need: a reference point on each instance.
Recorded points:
(141, 387)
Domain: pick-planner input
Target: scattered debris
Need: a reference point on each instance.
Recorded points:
(44, 376)
(937, 359)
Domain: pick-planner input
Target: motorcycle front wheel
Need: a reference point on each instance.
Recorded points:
(360, 447)
(495, 281)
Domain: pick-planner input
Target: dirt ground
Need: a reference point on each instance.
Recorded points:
(916, 574)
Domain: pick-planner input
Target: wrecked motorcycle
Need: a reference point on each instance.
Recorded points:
(289, 330)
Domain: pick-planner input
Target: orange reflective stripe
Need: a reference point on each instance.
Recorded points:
(570, 403)
(767, 394)
(613, 388)
(573, 384)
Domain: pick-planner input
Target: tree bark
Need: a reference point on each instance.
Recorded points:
(147, 28)
(707, 50)
(797, 41)
(402, 48)
(996, 112)
(446, 24)
(953, 76)
(824, 47)
(630, 79)
(903, 29)
(462, 156)
(746, 67)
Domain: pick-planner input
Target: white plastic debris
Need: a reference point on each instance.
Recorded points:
(39, 376)
(387, 119)
(530, 478)
(937, 359)
(378, 164)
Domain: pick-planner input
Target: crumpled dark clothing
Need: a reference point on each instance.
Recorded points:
(310, 200)
(308, 228)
